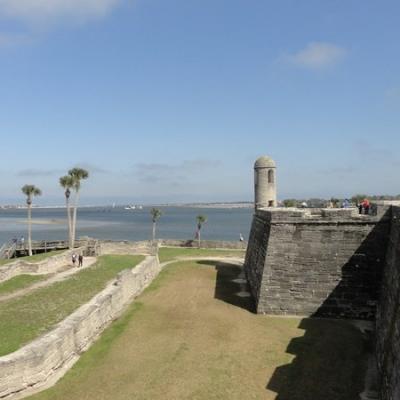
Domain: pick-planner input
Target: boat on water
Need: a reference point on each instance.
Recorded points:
(133, 207)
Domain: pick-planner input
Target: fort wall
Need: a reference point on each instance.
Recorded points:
(332, 263)
(388, 316)
(39, 364)
(317, 262)
(146, 247)
(206, 244)
(125, 247)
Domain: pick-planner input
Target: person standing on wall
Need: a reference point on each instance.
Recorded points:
(365, 205)
(80, 260)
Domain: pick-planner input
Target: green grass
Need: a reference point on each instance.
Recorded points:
(170, 253)
(34, 258)
(19, 282)
(184, 339)
(25, 318)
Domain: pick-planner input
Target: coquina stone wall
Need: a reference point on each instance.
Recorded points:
(41, 363)
(47, 266)
(125, 247)
(146, 247)
(321, 262)
(388, 317)
(206, 244)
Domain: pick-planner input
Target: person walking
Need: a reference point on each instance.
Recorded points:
(73, 259)
(80, 260)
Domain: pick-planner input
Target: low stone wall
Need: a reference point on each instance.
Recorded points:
(41, 363)
(146, 247)
(47, 266)
(125, 247)
(316, 262)
(207, 244)
(388, 317)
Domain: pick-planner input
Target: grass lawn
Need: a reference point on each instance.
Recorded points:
(19, 282)
(24, 318)
(34, 258)
(188, 336)
(170, 253)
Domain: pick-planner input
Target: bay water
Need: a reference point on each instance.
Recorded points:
(121, 224)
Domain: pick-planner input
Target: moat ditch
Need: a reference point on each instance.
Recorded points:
(190, 335)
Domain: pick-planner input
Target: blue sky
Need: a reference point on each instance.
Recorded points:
(168, 101)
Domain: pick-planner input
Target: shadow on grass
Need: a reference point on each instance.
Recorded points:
(330, 363)
(231, 286)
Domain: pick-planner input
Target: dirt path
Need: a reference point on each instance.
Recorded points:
(57, 277)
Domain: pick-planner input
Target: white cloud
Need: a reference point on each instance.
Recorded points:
(317, 55)
(47, 10)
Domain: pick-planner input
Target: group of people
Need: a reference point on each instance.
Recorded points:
(21, 241)
(363, 207)
(79, 258)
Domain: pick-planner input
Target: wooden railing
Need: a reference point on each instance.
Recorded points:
(8, 250)
(43, 245)
(12, 248)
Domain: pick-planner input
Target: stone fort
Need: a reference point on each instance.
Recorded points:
(331, 263)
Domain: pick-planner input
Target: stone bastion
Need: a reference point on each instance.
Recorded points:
(332, 263)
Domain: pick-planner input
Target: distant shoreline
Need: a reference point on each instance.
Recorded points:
(223, 205)
(218, 205)
(42, 221)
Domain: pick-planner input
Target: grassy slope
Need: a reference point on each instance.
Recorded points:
(22, 319)
(19, 282)
(184, 339)
(34, 258)
(170, 253)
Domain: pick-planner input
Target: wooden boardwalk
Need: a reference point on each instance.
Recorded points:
(17, 249)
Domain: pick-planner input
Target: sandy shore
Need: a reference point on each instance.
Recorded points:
(44, 221)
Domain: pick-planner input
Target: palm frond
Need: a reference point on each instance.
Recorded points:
(155, 213)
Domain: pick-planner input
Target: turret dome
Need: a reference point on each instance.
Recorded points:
(264, 162)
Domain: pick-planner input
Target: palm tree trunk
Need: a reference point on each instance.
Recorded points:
(154, 231)
(198, 237)
(69, 222)
(74, 219)
(29, 230)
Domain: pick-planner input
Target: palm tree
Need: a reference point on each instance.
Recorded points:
(30, 191)
(67, 183)
(201, 219)
(77, 174)
(155, 216)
